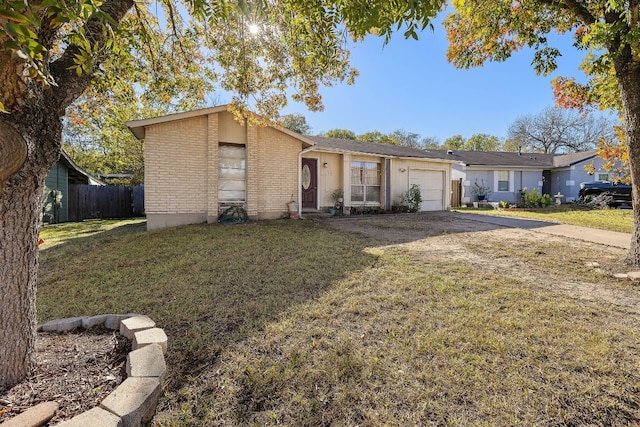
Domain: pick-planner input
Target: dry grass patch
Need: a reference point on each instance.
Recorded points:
(291, 323)
(415, 342)
(207, 285)
(557, 260)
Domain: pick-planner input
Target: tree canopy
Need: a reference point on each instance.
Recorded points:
(476, 142)
(300, 44)
(376, 136)
(455, 142)
(558, 130)
(297, 123)
(340, 134)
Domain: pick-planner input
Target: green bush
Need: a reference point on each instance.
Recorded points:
(533, 199)
(412, 198)
(546, 201)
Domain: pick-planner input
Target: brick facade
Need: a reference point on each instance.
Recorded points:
(278, 171)
(176, 167)
(182, 169)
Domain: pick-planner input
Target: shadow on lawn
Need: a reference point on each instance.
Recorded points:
(207, 286)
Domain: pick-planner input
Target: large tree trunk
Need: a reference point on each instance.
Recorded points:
(20, 206)
(628, 74)
(33, 122)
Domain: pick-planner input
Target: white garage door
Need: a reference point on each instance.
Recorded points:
(431, 188)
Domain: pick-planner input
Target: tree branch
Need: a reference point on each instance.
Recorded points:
(576, 7)
(579, 9)
(70, 85)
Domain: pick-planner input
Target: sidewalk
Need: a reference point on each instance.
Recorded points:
(610, 238)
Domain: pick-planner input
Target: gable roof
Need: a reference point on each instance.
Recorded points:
(565, 160)
(138, 127)
(498, 158)
(76, 174)
(513, 159)
(468, 158)
(352, 146)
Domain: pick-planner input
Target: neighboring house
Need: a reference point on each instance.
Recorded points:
(568, 172)
(200, 162)
(55, 200)
(507, 173)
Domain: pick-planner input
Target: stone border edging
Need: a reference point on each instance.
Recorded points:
(133, 403)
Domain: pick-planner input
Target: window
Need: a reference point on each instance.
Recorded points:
(603, 177)
(232, 179)
(503, 180)
(365, 182)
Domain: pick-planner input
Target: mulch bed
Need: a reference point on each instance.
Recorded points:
(77, 370)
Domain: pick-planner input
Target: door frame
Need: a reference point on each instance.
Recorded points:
(317, 159)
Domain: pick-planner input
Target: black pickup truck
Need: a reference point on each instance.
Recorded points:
(616, 194)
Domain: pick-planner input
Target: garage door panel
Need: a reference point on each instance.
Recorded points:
(431, 188)
(429, 182)
(431, 195)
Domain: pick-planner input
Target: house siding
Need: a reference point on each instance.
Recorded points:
(57, 179)
(330, 177)
(564, 182)
(567, 181)
(528, 179)
(337, 175)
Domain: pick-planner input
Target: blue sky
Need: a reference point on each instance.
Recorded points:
(409, 85)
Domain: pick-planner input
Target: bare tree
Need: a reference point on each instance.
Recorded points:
(557, 130)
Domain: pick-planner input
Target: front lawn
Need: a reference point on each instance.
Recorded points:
(604, 219)
(292, 323)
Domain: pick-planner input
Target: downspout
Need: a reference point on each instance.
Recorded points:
(387, 184)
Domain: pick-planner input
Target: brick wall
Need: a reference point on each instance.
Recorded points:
(182, 166)
(213, 125)
(277, 171)
(175, 156)
(253, 175)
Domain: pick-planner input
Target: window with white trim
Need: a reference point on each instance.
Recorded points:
(503, 181)
(232, 180)
(603, 177)
(365, 182)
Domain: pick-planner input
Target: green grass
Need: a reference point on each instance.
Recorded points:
(208, 286)
(605, 219)
(291, 323)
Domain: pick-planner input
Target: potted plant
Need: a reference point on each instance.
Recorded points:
(480, 190)
(337, 197)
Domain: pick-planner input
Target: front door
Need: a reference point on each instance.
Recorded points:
(546, 182)
(309, 183)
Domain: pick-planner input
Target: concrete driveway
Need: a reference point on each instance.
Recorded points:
(610, 238)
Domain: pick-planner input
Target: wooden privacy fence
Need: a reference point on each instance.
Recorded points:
(109, 201)
(456, 193)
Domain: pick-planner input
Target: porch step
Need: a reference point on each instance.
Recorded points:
(311, 215)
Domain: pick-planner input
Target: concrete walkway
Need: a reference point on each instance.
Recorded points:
(610, 238)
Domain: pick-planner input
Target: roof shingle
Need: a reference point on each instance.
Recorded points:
(469, 158)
